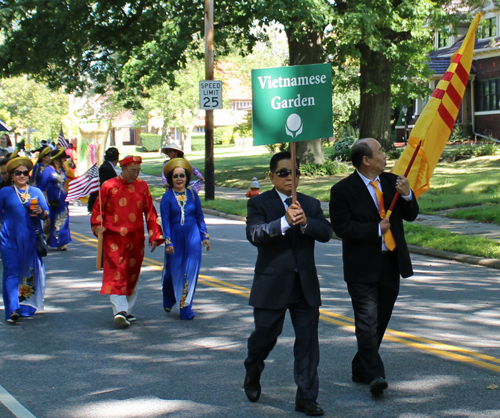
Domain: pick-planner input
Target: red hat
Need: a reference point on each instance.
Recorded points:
(131, 159)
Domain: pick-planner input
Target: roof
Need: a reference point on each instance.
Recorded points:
(440, 59)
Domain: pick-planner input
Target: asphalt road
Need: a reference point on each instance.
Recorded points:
(441, 353)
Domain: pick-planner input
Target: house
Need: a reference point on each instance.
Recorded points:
(481, 102)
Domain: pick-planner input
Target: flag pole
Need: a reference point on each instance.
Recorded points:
(389, 212)
(294, 171)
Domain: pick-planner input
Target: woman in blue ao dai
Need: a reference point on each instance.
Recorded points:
(23, 284)
(185, 232)
(52, 183)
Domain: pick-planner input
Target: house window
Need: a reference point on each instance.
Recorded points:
(488, 95)
(443, 40)
(200, 129)
(487, 28)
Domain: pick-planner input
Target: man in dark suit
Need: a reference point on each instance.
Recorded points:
(374, 251)
(285, 279)
(106, 171)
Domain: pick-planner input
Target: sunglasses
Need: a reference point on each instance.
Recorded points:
(22, 173)
(283, 173)
(176, 176)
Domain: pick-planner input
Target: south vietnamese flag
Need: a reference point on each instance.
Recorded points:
(434, 125)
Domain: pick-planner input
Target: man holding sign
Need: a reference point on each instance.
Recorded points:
(285, 279)
(374, 251)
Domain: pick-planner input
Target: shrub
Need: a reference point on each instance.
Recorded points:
(329, 168)
(223, 135)
(461, 132)
(198, 142)
(395, 153)
(151, 142)
(471, 150)
(342, 148)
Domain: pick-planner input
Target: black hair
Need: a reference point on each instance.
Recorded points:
(276, 158)
(358, 151)
(111, 154)
(4, 161)
(170, 180)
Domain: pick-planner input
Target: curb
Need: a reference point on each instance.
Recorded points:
(414, 249)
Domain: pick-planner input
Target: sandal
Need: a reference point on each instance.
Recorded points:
(14, 316)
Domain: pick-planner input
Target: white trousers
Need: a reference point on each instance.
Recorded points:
(122, 303)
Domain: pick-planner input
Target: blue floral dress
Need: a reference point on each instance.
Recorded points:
(52, 183)
(184, 228)
(23, 285)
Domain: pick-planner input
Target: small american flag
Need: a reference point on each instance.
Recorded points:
(62, 140)
(84, 185)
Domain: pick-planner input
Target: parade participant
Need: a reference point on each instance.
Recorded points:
(42, 162)
(6, 180)
(174, 151)
(374, 251)
(285, 279)
(6, 147)
(107, 171)
(52, 183)
(185, 232)
(22, 206)
(118, 212)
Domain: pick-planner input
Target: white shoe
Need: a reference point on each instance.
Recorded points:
(121, 320)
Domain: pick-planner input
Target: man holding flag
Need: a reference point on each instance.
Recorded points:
(374, 251)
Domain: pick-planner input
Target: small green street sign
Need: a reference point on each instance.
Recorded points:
(292, 104)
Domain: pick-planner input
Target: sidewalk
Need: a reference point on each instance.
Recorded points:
(458, 226)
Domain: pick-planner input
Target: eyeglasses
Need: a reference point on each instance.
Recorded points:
(134, 171)
(176, 176)
(22, 173)
(283, 173)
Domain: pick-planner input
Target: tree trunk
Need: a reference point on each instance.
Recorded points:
(375, 105)
(303, 51)
(187, 139)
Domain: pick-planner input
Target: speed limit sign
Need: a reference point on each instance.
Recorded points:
(210, 94)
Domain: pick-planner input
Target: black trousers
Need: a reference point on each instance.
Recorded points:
(373, 304)
(269, 325)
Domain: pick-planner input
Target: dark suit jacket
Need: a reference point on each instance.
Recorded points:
(275, 267)
(106, 172)
(355, 219)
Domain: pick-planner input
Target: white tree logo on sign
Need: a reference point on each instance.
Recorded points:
(294, 125)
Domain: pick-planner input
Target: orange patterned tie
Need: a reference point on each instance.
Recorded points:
(388, 238)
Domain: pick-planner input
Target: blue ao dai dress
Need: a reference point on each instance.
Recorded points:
(23, 285)
(52, 183)
(180, 273)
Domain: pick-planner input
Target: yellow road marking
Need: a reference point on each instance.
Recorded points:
(434, 347)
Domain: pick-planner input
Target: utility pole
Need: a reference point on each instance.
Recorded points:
(209, 114)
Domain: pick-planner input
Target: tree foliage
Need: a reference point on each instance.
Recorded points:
(25, 104)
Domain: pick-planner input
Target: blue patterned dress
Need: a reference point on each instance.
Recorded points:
(180, 273)
(52, 183)
(23, 285)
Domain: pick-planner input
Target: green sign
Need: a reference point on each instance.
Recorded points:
(292, 103)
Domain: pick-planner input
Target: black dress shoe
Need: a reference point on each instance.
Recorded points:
(252, 389)
(309, 407)
(378, 385)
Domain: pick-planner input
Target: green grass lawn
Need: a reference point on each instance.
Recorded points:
(466, 189)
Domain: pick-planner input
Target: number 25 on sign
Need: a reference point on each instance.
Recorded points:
(210, 95)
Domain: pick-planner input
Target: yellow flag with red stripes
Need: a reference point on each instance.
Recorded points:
(433, 127)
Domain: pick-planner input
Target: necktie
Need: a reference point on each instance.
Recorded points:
(388, 237)
(288, 201)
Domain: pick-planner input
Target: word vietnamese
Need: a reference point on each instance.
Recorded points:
(290, 82)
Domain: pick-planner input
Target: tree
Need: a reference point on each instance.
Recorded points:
(25, 104)
(391, 40)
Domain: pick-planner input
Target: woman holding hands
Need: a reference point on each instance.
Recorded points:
(185, 232)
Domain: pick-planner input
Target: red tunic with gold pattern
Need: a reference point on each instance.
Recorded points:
(123, 206)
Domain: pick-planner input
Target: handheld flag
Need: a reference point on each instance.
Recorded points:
(63, 141)
(84, 185)
(434, 125)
